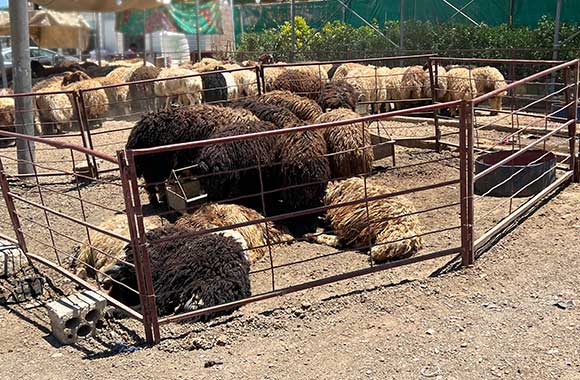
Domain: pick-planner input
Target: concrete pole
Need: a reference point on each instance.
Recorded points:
(557, 30)
(293, 23)
(98, 32)
(197, 31)
(21, 76)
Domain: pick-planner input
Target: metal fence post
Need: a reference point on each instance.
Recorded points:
(466, 182)
(12, 209)
(258, 80)
(140, 254)
(433, 79)
(576, 78)
(81, 115)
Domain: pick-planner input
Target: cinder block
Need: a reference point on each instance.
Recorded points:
(12, 259)
(76, 316)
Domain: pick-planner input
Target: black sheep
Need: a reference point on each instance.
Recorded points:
(167, 127)
(279, 116)
(303, 176)
(215, 87)
(230, 171)
(188, 272)
(338, 94)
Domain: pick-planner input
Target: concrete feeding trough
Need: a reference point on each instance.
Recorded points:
(383, 146)
(523, 176)
(183, 191)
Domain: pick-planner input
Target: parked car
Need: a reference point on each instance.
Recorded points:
(44, 56)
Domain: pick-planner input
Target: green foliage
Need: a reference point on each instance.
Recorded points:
(338, 40)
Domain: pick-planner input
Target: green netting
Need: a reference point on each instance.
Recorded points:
(251, 17)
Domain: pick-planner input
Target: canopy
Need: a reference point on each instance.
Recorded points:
(51, 29)
(98, 5)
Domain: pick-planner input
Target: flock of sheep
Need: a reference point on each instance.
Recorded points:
(281, 174)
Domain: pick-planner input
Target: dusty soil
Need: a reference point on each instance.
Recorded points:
(496, 319)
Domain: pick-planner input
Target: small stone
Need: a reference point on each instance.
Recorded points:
(430, 332)
(57, 355)
(463, 345)
(565, 305)
(221, 341)
(211, 363)
(306, 305)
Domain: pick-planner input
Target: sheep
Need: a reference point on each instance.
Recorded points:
(231, 84)
(366, 81)
(246, 80)
(338, 94)
(143, 95)
(279, 116)
(319, 71)
(39, 70)
(266, 58)
(348, 145)
(235, 170)
(99, 251)
(303, 83)
(188, 272)
(488, 79)
(391, 83)
(206, 64)
(117, 96)
(215, 88)
(340, 71)
(306, 109)
(6, 120)
(460, 86)
(388, 227)
(271, 74)
(303, 176)
(54, 111)
(257, 236)
(185, 91)
(172, 126)
(414, 83)
(123, 73)
(96, 104)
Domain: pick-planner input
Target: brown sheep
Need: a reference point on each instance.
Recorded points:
(349, 145)
(392, 232)
(306, 109)
(303, 83)
(96, 102)
(256, 236)
(143, 95)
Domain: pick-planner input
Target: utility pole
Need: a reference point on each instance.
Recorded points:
(557, 30)
(293, 50)
(197, 31)
(21, 77)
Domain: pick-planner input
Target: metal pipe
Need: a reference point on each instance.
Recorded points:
(98, 39)
(557, 29)
(59, 145)
(3, 67)
(197, 39)
(293, 32)
(21, 77)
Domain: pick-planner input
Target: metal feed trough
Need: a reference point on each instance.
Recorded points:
(183, 191)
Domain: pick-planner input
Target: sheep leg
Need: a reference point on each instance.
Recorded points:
(495, 105)
(152, 194)
(324, 239)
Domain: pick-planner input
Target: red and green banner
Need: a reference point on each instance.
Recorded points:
(179, 16)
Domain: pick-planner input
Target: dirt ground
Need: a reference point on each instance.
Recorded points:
(496, 319)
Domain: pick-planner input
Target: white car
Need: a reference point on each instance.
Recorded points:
(44, 56)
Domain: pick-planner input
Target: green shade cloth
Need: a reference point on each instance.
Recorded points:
(178, 17)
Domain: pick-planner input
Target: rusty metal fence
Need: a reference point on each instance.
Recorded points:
(60, 208)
